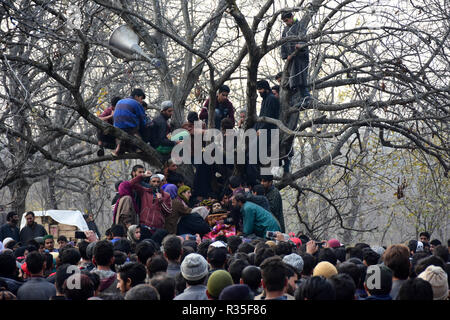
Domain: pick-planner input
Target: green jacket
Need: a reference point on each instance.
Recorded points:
(258, 220)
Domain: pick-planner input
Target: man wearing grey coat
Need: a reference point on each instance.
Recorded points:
(298, 71)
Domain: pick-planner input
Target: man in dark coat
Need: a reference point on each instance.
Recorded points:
(161, 129)
(270, 107)
(32, 229)
(275, 200)
(9, 229)
(298, 71)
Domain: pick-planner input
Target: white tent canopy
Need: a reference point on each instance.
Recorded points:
(70, 217)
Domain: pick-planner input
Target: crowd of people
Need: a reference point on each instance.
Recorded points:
(221, 237)
(163, 245)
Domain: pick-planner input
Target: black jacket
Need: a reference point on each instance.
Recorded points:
(159, 132)
(193, 223)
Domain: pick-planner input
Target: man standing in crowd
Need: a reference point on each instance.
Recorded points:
(276, 202)
(9, 229)
(32, 229)
(224, 108)
(129, 115)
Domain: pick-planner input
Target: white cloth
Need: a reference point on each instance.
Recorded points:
(202, 211)
(70, 217)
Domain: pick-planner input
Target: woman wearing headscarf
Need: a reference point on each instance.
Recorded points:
(171, 189)
(179, 208)
(134, 235)
(125, 210)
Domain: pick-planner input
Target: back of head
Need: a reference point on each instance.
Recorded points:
(235, 181)
(356, 272)
(35, 262)
(233, 243)
(251, 276)
(62, 273)
(258, 189)
(246, 247)
(217, 281)
(273, 271)
(441, 252)
(80, 292)
(236, 268)
(8, 265)
(172, 247)
(142, 292)
(82, 248)
(327, 254)
(134, 271)
(396, 258)
(118, 230)
(156, 264)
(165, 285)
(354, 252)
(226, 124)
(370, 256)
(69, 255)
(315, 288)
(103, 253)
(217, 256)
(415, 289)
(123, 245)
(115, 100)
(344, 286)
(378, 280)
(144, 251)
(283, 248)
(202, 248)
(262, 254)
(309, 262)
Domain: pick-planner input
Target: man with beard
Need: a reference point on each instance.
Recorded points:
(32, 229)
(270, 108)
(9, 229)
(161, 129)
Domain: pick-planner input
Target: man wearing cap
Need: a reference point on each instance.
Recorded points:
(161, 129)
(155, 203)
(194, 270)
(9, 229)
(298, 70)
(129, 115)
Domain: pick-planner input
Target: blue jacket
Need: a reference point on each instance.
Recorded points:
(129, 113)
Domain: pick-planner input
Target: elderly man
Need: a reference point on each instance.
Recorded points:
(155, 203)
(161, 129)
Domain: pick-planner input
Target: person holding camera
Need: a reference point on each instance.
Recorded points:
(156, 204)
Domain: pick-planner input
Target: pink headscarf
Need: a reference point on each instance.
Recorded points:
(125, 189)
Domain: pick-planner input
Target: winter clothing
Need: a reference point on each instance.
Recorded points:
(257, 220)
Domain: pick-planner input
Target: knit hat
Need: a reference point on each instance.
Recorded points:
(166, 105)
(218, 280)
(295, 261)
(437, 277)
(378, 249)
(49, 236)
(334, 243)
(419, 247)
(325, 269)
(194, 267)
(237, 292)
